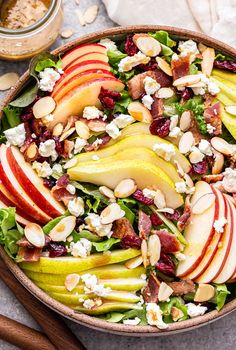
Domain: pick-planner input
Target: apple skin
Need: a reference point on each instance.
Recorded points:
(20, 215)
(12, 185)
(107, 307)
(90, 56)
(78, 51)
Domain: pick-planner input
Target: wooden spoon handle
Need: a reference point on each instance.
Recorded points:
(52, 325)
(22, 336)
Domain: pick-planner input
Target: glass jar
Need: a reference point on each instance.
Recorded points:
(23, 43)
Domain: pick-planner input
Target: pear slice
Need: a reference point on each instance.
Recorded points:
(229, 121)
(226, 87)
(138, 140)
(68, 264)
(231, 77)
(108, 307)
(224, 99)
(144, 174)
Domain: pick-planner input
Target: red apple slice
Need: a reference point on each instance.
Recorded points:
(91, 56)
(223, 249)
(74, 102)
(79, 79)
(12, 185)
(213, 245)
(33, 184)
(77, 69)
(228, 270)
(78, 51)
(199, 232)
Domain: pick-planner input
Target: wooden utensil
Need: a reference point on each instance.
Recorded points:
(53, 326)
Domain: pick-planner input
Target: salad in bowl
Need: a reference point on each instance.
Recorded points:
(118, 178)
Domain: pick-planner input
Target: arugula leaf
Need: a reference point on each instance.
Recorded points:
(105, 245)
(92, 237)
(220, 296)
(27, 97)
(13, 115)
(220, 57)
(115, 57)
(122, 105)
(128, 212)
(167, 306)
(163, 37)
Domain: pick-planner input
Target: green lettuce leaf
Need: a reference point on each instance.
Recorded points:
(115, 57)
(105, 245)
(27, 97)
(141, 314)
(13, 115)
(129, 214)
(122, 105)
(92, 237)
(51, 224)
(42, 61)
(166, 42)
(220, 296)
(167, 306)
(113, 317)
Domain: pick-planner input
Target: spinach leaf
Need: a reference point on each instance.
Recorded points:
(220, 296)
(122, 105)
(105, 245)
(92, 237)
(163, 37)
(27, 97)
(167, 306)
(141, 314)
(13, 115)
(129, 214)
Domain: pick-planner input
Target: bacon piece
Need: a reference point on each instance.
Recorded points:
(62, 195)
(182, 287)
(212, 116)
(194, 129)
(166, 265)
(169, 242)
(144, 224)
(150, 292)
(28, 254)
(123, 230)
(184, 219)
(157, 107)
(208, 100)
(180, 67)
(68, 148)
(94, 147)
(63, 181)
(136, 85)
(162, 78)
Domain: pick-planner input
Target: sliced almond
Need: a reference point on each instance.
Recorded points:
(107, 192)
(71, 281)
(147, 45)
(97, 125)
(8, 80)
(164, 292)
(186, 142)
(218, 163)
(185, 120)
(208, 57)
(91, 14)
(201, 47)
(111, 213)
(203, 203)
(159, 200)
(166, 210)
(133, 263)
(58, 129)
(80, 15)
(164, 93)
(180, 170)
(200, 84)
(43, 107)
(176, 313)
(67, 134)
(188, 180)
(204, 292)
(187, 80)
(154, 249)
(82, 130)
(125, 188)
(63, 229)
(67, 33)
(144, 252)
(222, 146)
(164, 66)
(35, 235)
(139, 112)
(31, 152)
(231, 109)
(72, 162)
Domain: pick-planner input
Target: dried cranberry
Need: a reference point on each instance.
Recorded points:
(46, 135)
(228, 65)
(79, 221)
(56, 249)
(130, 48)
(108, 98)
(174, 216)
(37, 128)
(155, 219)
(63, 181)
(166, 265)
(130, 241)
(139, 196)
(27, 114)
(200, 168)
(49, 183)
(186, 94)
(151, 65)
(160, 127)
(59, 146)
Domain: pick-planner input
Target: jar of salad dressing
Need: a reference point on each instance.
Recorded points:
(28, 27)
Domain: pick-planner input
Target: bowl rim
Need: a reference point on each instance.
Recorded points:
(83, 319)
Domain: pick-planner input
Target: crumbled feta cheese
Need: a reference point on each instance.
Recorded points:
(174, 57)
(101, 291)
(123, 120)
(92, 286)
(188, 47)
(81, 249)
(70, 188)
(196, 155)
(175, 132)
(129, 62)
(112, 130)
(48, 149)
(133, 322)
(213, 88)
(76, 206)
(195, 310)
(89, 280)
(95, 157)
(57, 168)
(89, 304)
(210, 129)
(174, 121)
(180, 256)
(16, 136)
(154, 316)
(205, 147)
(181, 187)
(47, 79)
(42, 169)
(92, 112)
(97, 142)
(147, 101)
(93, 222)
(108, 43)
(199, 90)
(219, 225)
(79, 145)
(229, 180)
(151, 85)
(164, 150)
(149, 193)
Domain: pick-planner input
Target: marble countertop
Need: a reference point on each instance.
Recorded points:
(220, 334)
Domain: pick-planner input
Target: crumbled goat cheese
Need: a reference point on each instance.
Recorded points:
(48, 118)
(93, 222)
(175, 132)
(97, 142)
(205, 147)
(164, 150)
(195, 310)
(89, 304)
(79, 145)
(147, 101)
(199, 90)
(47, 79)
(196, 155)
(149, 193)
(92, 112)
(123, 120)
(151, 86)
(154, 316)
(109, 44)
(16, 136)
(210, 129)
(76, 206)
(180, 256)
(70, 188)
(188, 47)
(60, 71)
(129, 62)
(92, 286)
(48, 149)
(95, 157)
(89, 280)
(174, 57)
(213, 88)
(174, 121)
(81, 249)
(229, 180)
(112, 130)
(181, 187)
(219, 225)
(210, 86)
(133, 322)
(57, 168)
(42, 169)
